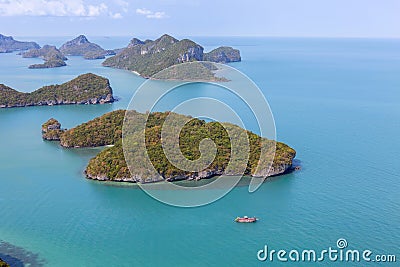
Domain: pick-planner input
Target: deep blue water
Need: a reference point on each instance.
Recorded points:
(336, 101)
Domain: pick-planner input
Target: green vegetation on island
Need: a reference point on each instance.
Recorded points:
(50, 54)
(52, 63)
(47, 52)
(110, 164)
(8, 44)
(191, 71)
(223, 54)
(101, 131)
(80, 46)
(3, 263)
(85, 89)
(149, 57)
(51, 130)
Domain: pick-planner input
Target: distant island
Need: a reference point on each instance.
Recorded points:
(145, 58)
(53, 57)
(110, 164)
(223, 54)
(8, 44)
(50, 54)
(149, 57)
(85, 89)
(80, 46)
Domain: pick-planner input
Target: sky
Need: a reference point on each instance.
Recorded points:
(281, 18)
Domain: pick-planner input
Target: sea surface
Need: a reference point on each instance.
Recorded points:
(336, 101)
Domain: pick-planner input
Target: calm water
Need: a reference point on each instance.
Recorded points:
(336, 101)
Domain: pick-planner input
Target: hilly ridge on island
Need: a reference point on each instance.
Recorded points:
(84, 89)
(80, 46)
(111, 163)
(8, 44)
(149, 57)
(50, 54)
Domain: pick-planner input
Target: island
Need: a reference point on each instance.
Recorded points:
(84, 89)
(52, 63)
(51, 130)
(110, 164)
(149, 57)
(223, 54)
(3, 263)
(8, 44)
(80, 46)
(50, 54)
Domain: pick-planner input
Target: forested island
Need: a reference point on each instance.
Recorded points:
(84, 89)
(50, 54)
(149, 57)
(8, 44)
(110, 164)
(145, 58)
(80, 46)
(53, 57)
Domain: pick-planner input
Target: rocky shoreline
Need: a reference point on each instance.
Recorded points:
(85, 89)
(111, 163)
(275, 170)
(92, 101)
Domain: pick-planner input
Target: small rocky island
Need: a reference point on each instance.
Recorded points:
(149, 57)
(110, 164)
(8, 45)
(223, 54)
(50, 54)
(84, 89)
(80, 46)
(51, 130)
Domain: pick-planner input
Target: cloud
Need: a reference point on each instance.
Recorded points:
(150, 14)
(123, 4)
(94, 11)
(56, 8)
(143, 11)
(157, 15)
(116, 15)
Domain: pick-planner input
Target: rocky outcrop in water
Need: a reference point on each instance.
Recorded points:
(51, 130)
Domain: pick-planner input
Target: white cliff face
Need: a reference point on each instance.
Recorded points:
(273, 170)
(277, 169)
(193, 53)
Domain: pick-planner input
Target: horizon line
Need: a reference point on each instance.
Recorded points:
(220, 36)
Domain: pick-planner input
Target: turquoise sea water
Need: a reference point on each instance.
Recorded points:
(336, 101)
